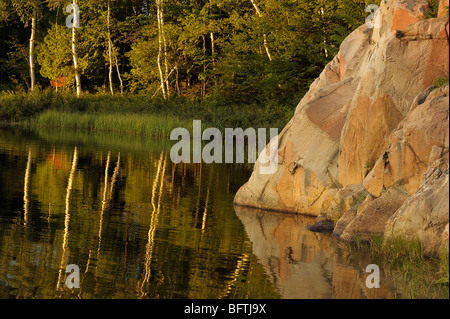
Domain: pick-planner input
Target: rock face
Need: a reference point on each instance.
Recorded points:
(372, 218)
(407, 155)
(369, 129)
(425, 214)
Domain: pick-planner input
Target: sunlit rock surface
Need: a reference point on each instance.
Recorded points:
(372, 118)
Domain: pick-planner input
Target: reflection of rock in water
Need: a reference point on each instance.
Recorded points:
(300, 263)
(293, 257)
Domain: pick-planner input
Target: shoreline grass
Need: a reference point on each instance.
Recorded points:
(421, 275)
(135, 114)
(133, 124)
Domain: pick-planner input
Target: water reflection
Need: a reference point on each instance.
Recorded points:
(140, 226)
(302, 264)
(26, 200)
(137, 225)
(153, 221)
(64, 257)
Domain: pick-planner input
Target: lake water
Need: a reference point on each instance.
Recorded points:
(139, 226)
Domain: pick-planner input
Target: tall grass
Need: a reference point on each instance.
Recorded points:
(134, 124)
(398, 248)
(404, 260)
(136, 114)
(443, 269)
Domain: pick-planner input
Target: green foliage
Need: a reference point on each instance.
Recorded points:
(14, 66)
(433, 8)
(302, 36)
(4, 10)
(25, 9)
(16, 107)
(441, 81)
(216, 50)
(54, 54)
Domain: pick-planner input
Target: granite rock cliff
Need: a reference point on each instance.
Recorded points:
(367, 148)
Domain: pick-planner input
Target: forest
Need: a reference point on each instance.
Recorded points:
(257, 55)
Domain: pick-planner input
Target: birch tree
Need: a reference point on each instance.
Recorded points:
(75, 23)
(160, 17)
(32, 45)
(28, 11)
(110, 50)
(166, 62)
(112, 53)
(266, 44)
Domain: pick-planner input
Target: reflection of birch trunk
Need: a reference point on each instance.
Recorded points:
(206, 211)
(240, 266)
(266, 44)
(67, 217)
(199, 194)
(154, 219)
(50, 193)
(172, 183)
(26, 187)
(103, 203)
(114, 177)
(155, 182)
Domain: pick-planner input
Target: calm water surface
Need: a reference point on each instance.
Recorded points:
(139, 226)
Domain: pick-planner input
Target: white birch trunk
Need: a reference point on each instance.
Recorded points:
(111, 86)
(74, 53)
(160, 45)
(31, 53)
(266, 44)
(166, 63)
(118, 75)
(213, 50)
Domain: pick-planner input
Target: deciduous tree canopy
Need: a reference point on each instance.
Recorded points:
(245, 51)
